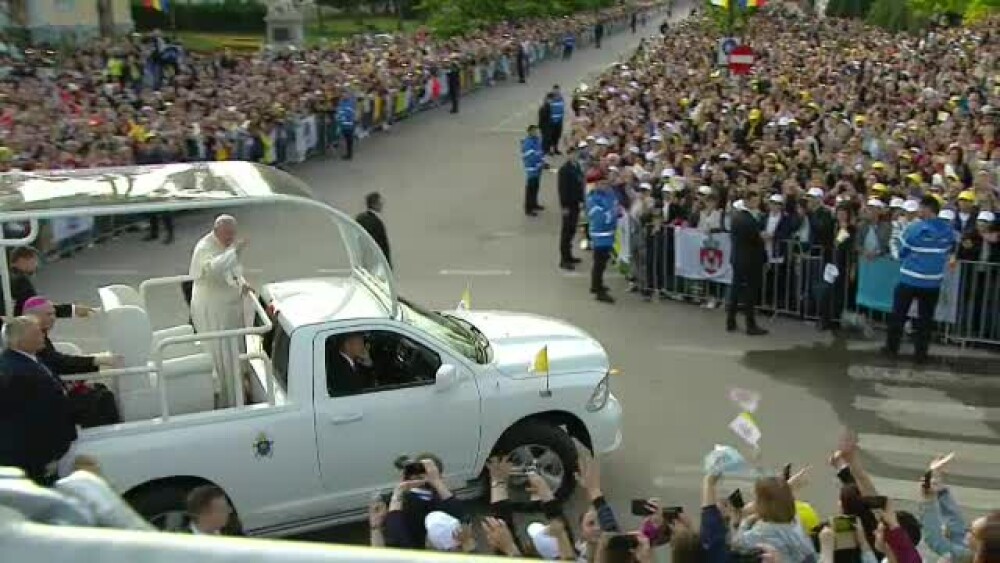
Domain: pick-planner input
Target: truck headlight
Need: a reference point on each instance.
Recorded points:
(599, 398)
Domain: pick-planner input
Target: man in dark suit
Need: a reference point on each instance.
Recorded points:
(372, 222)
(36, 419)
(23, 264)
(572, 189)
(44, 311)
(344, 374)
(748, 258)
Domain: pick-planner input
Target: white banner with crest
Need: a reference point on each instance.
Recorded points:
(700, 256)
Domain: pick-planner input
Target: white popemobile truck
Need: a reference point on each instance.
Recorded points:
(294, 456)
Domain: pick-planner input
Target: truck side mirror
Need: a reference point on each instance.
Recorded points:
(446, 377)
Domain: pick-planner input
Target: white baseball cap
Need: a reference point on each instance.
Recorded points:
(645, 186)
(896, 203)
(668, 173)
(668, 188)
(815, 192)
(911, 205)
(776, 198)
(986, 216)
(738, 204)
(441, 530)
(878, 203)
(946, 214)
(546, 545)
(602, 141)
(582, 145)
(704, 190)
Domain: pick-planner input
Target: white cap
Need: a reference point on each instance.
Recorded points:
(441, 530)
(657, 137)
(738, 204)
(878, 203)
(652, 156)
(582, 145)
(591, 138)
(784, 121)
(546, 545)
(842, 198)
(602, 141)
(726, 156)
(815, 192)
(668, 173)
(896, 203)
(776, 198)
(946, 214)
(986, 216)
(612, 169)
(704, 190)
(668, 188)
(911, 206)
(645, 186)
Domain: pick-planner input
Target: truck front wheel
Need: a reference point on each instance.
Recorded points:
(545, 448)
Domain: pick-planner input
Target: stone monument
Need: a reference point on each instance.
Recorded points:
(286, 22)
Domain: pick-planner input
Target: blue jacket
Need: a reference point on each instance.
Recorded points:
(346, 110)
(557, 109)
(531, 156)
(602, 217)
(924, 250)
(569, 40)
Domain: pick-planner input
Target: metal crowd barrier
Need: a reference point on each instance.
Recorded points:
(300, 137)
(793, 285)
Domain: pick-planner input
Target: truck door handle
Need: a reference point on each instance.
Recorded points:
(346, 418)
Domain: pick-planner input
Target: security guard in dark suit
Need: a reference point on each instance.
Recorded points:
(748, 258)
(371, 221)
(572, 189)
(23, 263)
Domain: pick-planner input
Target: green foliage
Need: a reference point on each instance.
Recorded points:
(897, 15)
(848, 8)
(730, 20)
(452, 17)
(235, 16)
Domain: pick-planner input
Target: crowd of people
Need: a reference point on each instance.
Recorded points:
(145, 100)
(835, 139)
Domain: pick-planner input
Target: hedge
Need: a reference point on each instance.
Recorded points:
(229, 16)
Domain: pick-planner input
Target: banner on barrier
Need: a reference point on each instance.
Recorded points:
(700, 256)
(68, 227)
(877, 281)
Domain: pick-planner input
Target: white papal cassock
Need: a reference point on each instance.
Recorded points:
(217, 304)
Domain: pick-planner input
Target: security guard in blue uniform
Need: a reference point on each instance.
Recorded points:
(924, 252)
(557, 111)
(534, 161)
(346, 112)
(602, 220)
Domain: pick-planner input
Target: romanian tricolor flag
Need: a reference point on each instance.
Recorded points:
(158, 5)
(756, 3)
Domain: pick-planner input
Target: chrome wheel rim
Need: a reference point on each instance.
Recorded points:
(170, 521)
(543, 459)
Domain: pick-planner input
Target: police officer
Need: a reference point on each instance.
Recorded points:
(602, 219)
(534, 160)
(557, 111)
(346, 112)
(924, 250)
(572, 187)
(454, 84)
(569, 42)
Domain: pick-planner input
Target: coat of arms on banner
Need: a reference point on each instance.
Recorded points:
(711, 256)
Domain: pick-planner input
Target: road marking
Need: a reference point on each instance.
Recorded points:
(967, 497)
(928, 448)
(701, 350)
(919, 377)
(253, 270)
(586, 274)
(107, 272)
(333, 271)
(475, 272)
(935, 409)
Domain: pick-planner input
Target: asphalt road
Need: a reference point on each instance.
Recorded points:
(453, 185)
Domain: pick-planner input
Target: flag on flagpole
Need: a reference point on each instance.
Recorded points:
(746, 427)
(541, 364)
(158, 5)
(720, 3)
(756, 3)
(465, 304)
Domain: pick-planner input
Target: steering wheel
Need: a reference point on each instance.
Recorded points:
(405, 353)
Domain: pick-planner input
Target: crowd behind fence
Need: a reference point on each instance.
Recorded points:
(297, 138)
(799, 282)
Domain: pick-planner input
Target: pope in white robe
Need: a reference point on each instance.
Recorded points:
(217, 301)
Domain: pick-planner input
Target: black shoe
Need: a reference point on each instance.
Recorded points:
(575, 260)
(539, 208)
(756, 331)
(731, 326)
(921, 359)
(567, 266)
(889, 352)
(603, 289)
(603, 297)
(531, 213)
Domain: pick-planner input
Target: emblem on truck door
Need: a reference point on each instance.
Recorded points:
(263, 446)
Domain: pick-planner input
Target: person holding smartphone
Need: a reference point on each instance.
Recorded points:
(843, 540)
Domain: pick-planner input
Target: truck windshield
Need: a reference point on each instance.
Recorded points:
(460, 337)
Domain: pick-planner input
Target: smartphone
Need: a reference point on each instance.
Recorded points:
(413, 469)
(623, 542)
(736, 499)
(640, 507)
(926, 481)
(787, 471)
(875, 503)
(671, 513)
(842, 524)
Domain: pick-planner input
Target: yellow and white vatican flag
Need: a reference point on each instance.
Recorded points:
(746, 428)
(465, 304)
(541, 364)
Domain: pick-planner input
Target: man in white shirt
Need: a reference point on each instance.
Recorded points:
(208, 510)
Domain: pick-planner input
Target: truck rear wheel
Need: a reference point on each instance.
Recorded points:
(546, 448)
(165, 507)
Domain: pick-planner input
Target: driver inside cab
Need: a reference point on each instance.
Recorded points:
(348, 371)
